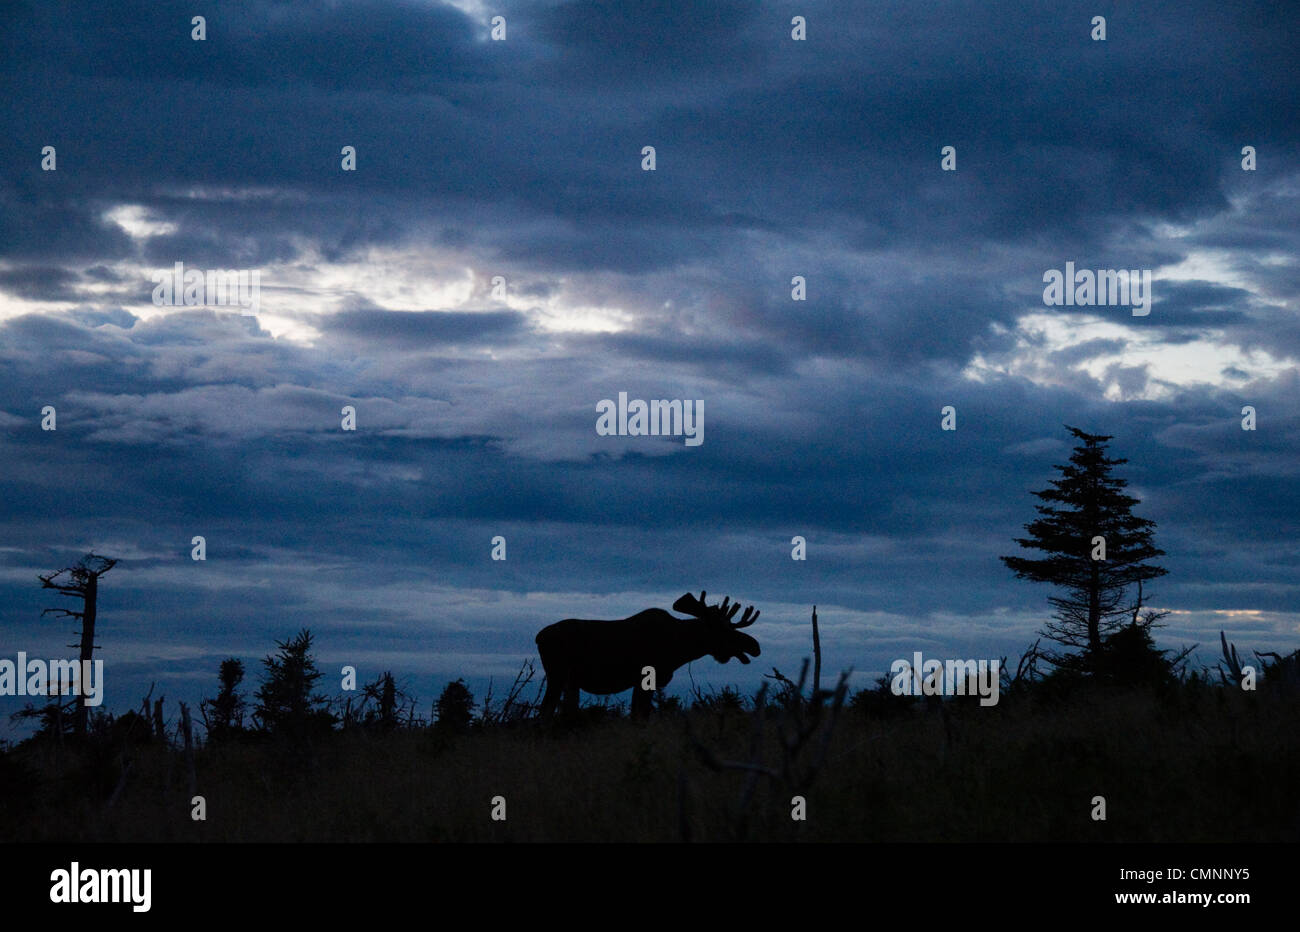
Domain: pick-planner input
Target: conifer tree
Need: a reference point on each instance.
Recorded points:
(224, 715)
(1094, 548)
(287, 702)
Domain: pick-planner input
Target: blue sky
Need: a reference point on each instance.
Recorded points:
(476, 412)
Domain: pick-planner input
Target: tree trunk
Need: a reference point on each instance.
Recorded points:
(159, 728)
(1094, 613)
(87, 646)
(817, 657)
(189, 751)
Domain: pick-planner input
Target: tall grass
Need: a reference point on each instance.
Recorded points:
(1188, 764)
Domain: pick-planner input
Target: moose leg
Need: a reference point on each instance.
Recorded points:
(640, 703)
(571, 696)
(551, 699)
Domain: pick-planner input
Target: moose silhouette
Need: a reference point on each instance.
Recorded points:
(605, 657)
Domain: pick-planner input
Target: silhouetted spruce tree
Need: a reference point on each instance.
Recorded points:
(224, 716)
(1085, 503)
(286, 703)
(454, 709)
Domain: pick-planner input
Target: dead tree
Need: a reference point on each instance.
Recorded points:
(801, 757)
(513, 707)
(187, 733)
(159, 726)
(82, 582)
(799, 722)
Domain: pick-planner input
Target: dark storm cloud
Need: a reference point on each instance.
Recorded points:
(37, 226)
(522, 158)
(641, 42)
(39, 283)
(1087, 350)
(46, 283)
(427, 327)
(400, 46)
(534, 124)
(717, 356)
(1202, 304)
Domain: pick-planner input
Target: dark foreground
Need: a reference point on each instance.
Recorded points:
(1185, 765)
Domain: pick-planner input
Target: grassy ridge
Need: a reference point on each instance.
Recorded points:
(1202, 764)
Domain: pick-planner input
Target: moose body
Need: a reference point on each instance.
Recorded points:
(605, 657)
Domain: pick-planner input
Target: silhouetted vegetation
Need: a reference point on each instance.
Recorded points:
(287, 704)
(223, 717)
(81, 582)
(1095, 550)
(454, 710)
(1181, 755)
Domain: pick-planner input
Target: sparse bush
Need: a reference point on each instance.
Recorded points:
(223, 717)
(721, 701)
(603, 709)
(381, 704)
(1279, 675)
(880, 701)
(1130, 658)
(671, 705)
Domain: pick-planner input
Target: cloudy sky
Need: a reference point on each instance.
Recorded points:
(476, 410)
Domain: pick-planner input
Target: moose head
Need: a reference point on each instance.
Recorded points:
(725, 640)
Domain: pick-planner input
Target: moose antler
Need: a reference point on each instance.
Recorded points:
(727, 610)
(746, 619)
